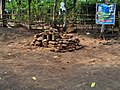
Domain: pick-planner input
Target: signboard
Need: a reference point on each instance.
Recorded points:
(105, 14)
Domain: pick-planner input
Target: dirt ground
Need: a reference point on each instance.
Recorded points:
(25, 67)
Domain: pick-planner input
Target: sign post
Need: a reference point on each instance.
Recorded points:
(103, 25)
(105, 15)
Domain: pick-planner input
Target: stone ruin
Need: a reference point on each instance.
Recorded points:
(56, 41)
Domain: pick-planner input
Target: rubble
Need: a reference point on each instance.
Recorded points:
(56, 41)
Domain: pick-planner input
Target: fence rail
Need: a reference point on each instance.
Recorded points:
(87, 21)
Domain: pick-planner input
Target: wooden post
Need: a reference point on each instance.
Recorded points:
(103, 25)
(29, 14)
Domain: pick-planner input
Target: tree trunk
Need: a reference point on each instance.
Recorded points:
(19, 3)
(29, 14)
(54, 12)
(3, 14)
(0, 8)
(65, 18)
(119, 19)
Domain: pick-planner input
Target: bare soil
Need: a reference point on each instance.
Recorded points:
(25, 67)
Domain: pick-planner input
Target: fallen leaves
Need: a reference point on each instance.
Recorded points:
(34, 78)
(93, 84)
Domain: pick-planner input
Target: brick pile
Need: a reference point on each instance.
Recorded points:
(56, 42)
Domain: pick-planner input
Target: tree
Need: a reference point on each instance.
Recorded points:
(54, 12)
(65, 18)
(29, 14)
(3, 14)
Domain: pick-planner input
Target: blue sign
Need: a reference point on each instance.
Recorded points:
(105, 14)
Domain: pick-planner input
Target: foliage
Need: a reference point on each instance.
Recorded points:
(44, 7)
